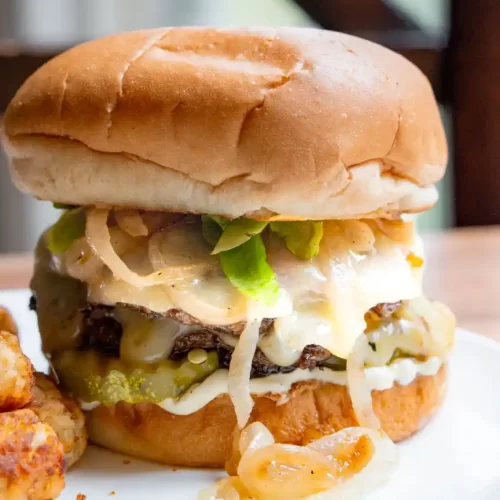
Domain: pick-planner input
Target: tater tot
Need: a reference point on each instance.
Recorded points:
(60, 412)
(16, 370)
(7, 323)
(31, 458)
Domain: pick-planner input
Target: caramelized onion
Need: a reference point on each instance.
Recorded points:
(238, 383)
(346, 465)
(399, 231)
(98, 238)
(185, 271)
(362, 468)
(187, 297)
(81, 262)
(131, 222)
(348, 236)
(359, 389)
(286, 471)
(410, 337)
(437, 324)
(254, 436)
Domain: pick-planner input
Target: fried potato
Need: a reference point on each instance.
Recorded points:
(7, 323)
(16, 380)
(31, 458)
(60, 412)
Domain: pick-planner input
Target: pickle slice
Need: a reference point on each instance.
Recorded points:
(90, 377)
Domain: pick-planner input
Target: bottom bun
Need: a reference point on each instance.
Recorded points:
(313, 409)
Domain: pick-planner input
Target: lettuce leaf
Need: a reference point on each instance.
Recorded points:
(302, 238)
(238, 232)
(63, 206)
(69, 227)
(210, 229)
(246, 267)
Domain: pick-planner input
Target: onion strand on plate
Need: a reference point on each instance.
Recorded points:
(344, 465)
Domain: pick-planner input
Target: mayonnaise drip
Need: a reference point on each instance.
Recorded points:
(401, 372)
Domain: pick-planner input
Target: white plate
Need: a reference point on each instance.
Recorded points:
(457, 456)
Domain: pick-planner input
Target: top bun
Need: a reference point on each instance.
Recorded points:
(284, 123)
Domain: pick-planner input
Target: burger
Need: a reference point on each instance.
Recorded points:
(233, 244)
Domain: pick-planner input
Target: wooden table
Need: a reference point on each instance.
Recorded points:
(463, 271)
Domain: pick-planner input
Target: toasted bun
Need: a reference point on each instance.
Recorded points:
(313, 409)
(261, 122)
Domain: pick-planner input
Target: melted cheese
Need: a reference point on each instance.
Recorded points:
(402, 372)
(322, 301)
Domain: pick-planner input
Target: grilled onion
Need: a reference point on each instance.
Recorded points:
(99, 239)
(346, 465)
(238, 383)
(131, 222)
(212, 301)
(359, 390)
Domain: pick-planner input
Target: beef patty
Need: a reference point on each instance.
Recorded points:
(102, 332)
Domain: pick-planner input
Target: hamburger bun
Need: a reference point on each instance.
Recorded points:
(312, 410)
(285, 123)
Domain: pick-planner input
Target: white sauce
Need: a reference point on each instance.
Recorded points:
(401, 371)
(322, 301)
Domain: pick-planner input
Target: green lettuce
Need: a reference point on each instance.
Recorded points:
(69, 227)
(301, 238)
(237, 232)
(245, 266)
(63, 206)
(211, 229)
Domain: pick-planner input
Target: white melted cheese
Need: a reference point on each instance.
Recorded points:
(380, 378)
(322, 301)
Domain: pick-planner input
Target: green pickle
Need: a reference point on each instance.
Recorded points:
(90, 377)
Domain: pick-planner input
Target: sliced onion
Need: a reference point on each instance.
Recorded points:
(145, 340)
(399, 231)
(187, 297)
(378, 469)
(238, 383)
(81, 263)
(409, 336)
(188, 270)
(122, 242)
(131, 222)
(286, 471)
(253, 436)
(438, 322)
(348, 464)
(359, 390)
(348, 236)
(98, 237)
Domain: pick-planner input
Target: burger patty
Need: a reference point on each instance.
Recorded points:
(312, 355)
(102, 332)
(186, 319)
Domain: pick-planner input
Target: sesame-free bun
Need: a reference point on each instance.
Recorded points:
(313, 409)
(262, 122)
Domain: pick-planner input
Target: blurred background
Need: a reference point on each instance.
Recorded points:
(456, 44)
